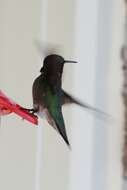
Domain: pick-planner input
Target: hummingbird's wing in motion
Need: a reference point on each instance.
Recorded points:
(68, 99)
(55, 111)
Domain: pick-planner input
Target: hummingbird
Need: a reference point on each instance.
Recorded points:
(49, 97)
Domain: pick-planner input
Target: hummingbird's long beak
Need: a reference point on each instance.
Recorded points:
(68, 61)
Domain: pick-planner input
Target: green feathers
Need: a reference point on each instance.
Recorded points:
(53, 102)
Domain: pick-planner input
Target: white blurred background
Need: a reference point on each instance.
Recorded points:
(90, 32)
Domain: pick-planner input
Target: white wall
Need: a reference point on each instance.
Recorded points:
(19, 64)
(87, 32)
(59, 30)
(108, 136)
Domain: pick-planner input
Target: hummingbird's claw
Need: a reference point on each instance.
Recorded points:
(34, 115)
(31, 111)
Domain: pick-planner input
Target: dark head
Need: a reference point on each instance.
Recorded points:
(53, 64)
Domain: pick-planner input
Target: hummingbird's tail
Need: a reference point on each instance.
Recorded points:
(64, 136)
(68, 99)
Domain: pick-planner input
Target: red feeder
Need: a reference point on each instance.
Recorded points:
(7, 106)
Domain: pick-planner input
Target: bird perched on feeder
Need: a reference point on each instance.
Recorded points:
(48, 95)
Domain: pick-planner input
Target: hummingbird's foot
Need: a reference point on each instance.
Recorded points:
(32, 111)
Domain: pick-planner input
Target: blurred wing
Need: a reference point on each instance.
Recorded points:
(68, 99)
(46, 48)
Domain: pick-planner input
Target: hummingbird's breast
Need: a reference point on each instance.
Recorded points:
(44, 114)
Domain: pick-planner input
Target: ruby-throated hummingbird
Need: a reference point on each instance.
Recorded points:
(48, 95)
